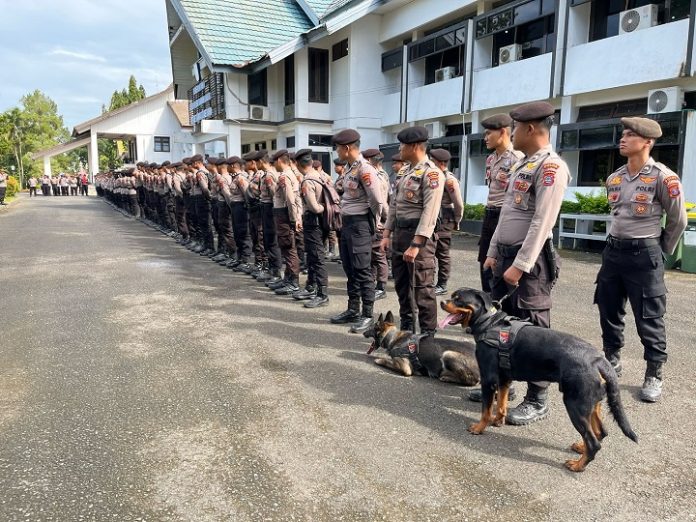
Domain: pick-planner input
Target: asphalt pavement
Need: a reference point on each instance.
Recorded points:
(139, 381)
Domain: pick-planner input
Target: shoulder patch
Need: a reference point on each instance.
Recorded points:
(366, 179)
(549, 178)
(674, 189)
(450, 185)
(670, 179)
(550, 166)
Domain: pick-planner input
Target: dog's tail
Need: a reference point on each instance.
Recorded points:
(614, 398)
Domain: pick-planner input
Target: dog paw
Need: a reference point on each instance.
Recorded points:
(575, 465)
(578, 447)
(499, 421)
(476, 429)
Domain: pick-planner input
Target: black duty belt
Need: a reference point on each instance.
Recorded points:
(493, 210)
(280, 211)
(407, 223)
(347, 220)
(631, 244)
(508, 250)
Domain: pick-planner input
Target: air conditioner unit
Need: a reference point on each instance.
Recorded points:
(638, 18)
(669, 99)
(259, 112)
(509, 53)
(435, 129)
(445, 73)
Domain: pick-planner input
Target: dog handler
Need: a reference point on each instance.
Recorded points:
(521, 252)
(632, 263)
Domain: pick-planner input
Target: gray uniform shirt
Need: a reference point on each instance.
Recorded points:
(638, 202)
(532, 203)
(498, 174)
(362, 191)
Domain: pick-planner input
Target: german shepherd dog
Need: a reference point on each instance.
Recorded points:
(541, 354)
(449, 361)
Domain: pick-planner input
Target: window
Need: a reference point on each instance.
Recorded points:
(246, 149)
(605, 18)
(606, 111)
(318, 75)
(257, 84)
(535, 38)
(442, 49)
(512, 14)
(325, 159)
(339, 50)
(290, 142)
(597, 165)
(289, 67)
(392, 59)
(453, 146)
(477, 146)
(259, 145)
(162, 144)
(320, 140)
(274, 144)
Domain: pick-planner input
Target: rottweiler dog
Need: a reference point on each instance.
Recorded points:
(539, 354)
(443, 359)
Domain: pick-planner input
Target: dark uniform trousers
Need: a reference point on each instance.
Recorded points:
(532, 299)
(490, 222)
(443, 245)
(299, 245)
(204, 225)
(240, 225)
(270, 238)
(380, 267)
(216, 224)
(286, 241)
(314, 237)
(141, 200)
(191, 217)
(180, 213)
(225, 232)
(633, 269)
(256, 232)
(423, 279)
(133, 206)
(356, 253)
(171, 212)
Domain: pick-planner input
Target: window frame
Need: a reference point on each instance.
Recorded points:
(340, 50)
(318, 81)
(262, 77)
(160, 142)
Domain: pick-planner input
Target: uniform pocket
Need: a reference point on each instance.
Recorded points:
(520, 200)
(654, 301)
(642, 204)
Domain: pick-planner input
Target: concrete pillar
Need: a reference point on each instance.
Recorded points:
(234, 140)
(93, 156)
(47, 165)
(569, 111)
(199, 148)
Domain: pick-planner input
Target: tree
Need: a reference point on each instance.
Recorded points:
(109, 155)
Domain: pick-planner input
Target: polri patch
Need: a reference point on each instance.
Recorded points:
(641, 209)
(504, 337)
(549, 179)
(674, 190)
(412, 348)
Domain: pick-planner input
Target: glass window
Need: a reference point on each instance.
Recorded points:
(597, 137)
(162, 144)
(246, 148)
(258, 88)
(290, 142)
(392, 59)
(320, 140)
(339, 50)
(669, 155)
(527, 12)
(318, 75)
(569, 140)
(289, 67)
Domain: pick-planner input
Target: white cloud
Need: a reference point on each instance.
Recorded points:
(80, 56)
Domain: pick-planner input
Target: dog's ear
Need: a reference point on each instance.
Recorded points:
(380, 319)
(389, 318)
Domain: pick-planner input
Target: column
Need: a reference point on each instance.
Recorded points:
(234, 141)
(93, 156)
(47, 165)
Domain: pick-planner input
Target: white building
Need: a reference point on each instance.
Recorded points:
(156, 128)
(269, 74)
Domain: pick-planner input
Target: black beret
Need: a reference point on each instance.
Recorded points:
(396, 157)
(533, 111)
(196, 158)
(644, 127)
(261, 154)
(440, 155)
(497, 121)
(300, 154)
(345, 137)
(234, 159)
(140, 164)
(176, 164)
(186, 161)
(153, 165)
(339, 161)
(291, 155)
(279, 154)
(372, 153)
(213, 161)
(249, 156)
(415, 134)
(223, 161)
(166, 163)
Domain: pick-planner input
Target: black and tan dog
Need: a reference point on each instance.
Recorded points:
(538, 354)
(408, 354)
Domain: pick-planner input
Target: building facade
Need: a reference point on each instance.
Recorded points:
(262, 76)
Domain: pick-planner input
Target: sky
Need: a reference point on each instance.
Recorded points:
(79, 51)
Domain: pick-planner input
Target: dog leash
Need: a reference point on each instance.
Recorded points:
(499, 302)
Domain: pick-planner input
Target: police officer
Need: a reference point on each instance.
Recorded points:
(521, 252)
(267, 185)
(202, 198)
(396, 166)
(361, 206)
(312, 190)
(235, 194)
(178, 179)
(451, 214)
(410, 227)
(3, 186)
(632, 267)
(498, 165)
(380, 267)
(254, 174)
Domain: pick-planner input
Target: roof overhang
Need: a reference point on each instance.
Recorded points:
(62, 148)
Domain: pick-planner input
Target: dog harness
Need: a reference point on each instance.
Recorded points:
(410, 350)
(503, 337)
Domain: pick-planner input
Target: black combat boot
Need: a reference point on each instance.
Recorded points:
(309, 292)
(533, 408)
(320, 299)
(275, 285)
(350, 315)
(264, 275)
(380, 292)
(652, 385)
(274, 277)
(614, 358)
(365, 321)
(441, 289)
(233, 263)
(290, 287)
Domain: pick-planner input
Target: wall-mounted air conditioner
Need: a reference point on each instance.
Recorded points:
(259, 112)
(445, 73)
(436, 129)
(669, 99)
(637, 19)
(509, 53)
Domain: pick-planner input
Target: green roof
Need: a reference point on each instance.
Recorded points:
(238, 32)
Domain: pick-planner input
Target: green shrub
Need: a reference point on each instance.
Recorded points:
(12, 187)
(474, 212)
